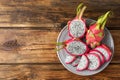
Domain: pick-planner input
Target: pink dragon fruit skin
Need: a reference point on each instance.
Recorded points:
(99, 33)
(95, 34)
(94, 29)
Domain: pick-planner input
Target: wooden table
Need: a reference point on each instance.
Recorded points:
(29, 29)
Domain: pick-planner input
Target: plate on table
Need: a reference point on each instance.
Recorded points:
(63, 35)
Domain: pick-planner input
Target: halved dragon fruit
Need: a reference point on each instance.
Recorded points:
(83, 63)
(69, 59)
(105, 51)
(94, 61)
(99, 54)
(77, 27)
(74, 47)
(76, 61)
(96, 31)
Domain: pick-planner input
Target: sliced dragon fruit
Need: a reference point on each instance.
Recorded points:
(69, 59)
(75, 63)
(107, 48)
(105, 52)
(102, 59)
(74, 47)
(77, 27)
(94, 60)
(83, 63)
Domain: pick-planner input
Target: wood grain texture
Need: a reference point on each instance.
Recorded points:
(35, 13)
(36, 46)
(28, 32)
(53, 72)
(27, 46)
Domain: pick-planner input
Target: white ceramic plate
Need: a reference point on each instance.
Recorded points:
(108, 40)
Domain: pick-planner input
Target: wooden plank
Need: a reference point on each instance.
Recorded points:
(27, 46)
(53, 72)
(36, 13)
(116, 36)
(36, 46)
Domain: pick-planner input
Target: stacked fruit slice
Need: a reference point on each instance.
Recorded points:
(92, 60)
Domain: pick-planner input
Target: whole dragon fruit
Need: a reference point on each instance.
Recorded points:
(96, 31)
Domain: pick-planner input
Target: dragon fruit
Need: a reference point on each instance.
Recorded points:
(69, 59)
(74, 47)
(75, 63)
(83, 63)
(77, 27)
(94, 61)
(105, 51)
(95, 33)
(102, 58)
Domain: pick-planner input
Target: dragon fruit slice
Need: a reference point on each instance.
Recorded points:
(83, 63)
(107, 48)
(74, 47)
(77, 27)
(104, 51)
(69, 59)
(96, 31)
(75, 63)
(102, 59)
(94, 60)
